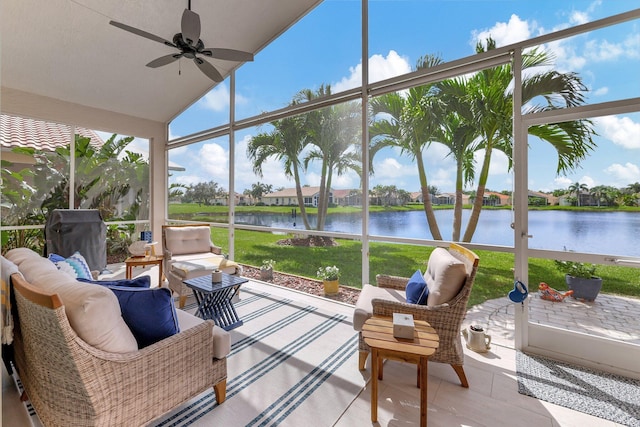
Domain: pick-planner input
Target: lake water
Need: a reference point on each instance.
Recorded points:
(591, 232)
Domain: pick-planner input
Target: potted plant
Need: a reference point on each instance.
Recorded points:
(329, 276)
(581, 279)
(266, 270)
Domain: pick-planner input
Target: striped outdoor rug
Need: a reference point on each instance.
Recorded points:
(291, 364)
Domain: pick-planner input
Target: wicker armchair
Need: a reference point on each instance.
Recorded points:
(189, 252)
(71, 383)
(389, 297)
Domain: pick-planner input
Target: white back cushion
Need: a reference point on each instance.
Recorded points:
(93, 310)
(445, 276)
(187, 240)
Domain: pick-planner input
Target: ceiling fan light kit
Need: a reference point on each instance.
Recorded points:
(189, 46)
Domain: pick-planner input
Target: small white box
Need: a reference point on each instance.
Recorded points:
(403, 326)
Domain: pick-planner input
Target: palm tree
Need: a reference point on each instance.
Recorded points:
(334, 132)
(460, 136)
(603, 193)
(285, 143)
(578, 188)
(633, 188)
(491, 102)
(410, 122)
(258, 189)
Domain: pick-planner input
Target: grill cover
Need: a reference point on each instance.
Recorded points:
(82, 230)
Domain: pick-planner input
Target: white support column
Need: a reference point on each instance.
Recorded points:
(365, 142)
(232, 163)
(159, 180)
(520, 200)
(72, 167)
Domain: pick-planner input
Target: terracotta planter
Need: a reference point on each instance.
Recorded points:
(583, 288)
(330, 286)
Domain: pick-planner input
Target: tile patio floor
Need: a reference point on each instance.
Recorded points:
(492, 399)
(608, 316)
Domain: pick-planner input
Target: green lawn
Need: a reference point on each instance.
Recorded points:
(494, 278)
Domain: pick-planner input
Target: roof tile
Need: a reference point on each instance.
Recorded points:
(18, 131)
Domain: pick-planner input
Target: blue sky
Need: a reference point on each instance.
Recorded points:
(324, 48)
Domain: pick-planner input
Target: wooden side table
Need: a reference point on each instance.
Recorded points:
(378, 334)
(142, 261)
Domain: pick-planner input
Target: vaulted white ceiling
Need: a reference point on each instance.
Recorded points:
(66, 49)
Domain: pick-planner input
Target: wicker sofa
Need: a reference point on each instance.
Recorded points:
(79, 362)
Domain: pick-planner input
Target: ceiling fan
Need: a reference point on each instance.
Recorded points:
(189, 46)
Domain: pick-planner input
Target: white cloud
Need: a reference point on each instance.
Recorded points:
(624, 174)
(603, 50)
(499, 162)
(505, 33)
(217, 99)
(438, 155)
(212, 159)
(391, 168)
(349, 179)
(390, 171)
(578, 17)
(188, 179)
(562, 182)
(380, 68)
(601, 91)
(443, 179)
(567, 58)
(632, 46)
(588, 181)
(622, 131)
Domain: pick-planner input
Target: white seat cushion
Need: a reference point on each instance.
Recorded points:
(364, 306)
(193, 265)
(221, 338)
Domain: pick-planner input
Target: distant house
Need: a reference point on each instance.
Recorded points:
(347, 197)
(492, 198)
(449, 199)
(416, 197)
(240, 200)
(443, 199)
(539, 198)
(586, 199)
(287, 197)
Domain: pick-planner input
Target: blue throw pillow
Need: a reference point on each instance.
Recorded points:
(55, 258)
(149, 313)
(138, 282)
(417, 290)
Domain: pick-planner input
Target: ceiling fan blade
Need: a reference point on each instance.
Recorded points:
(139, 32)
(208, 69)
(190, 27)
(164, 60)
(228, 54)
